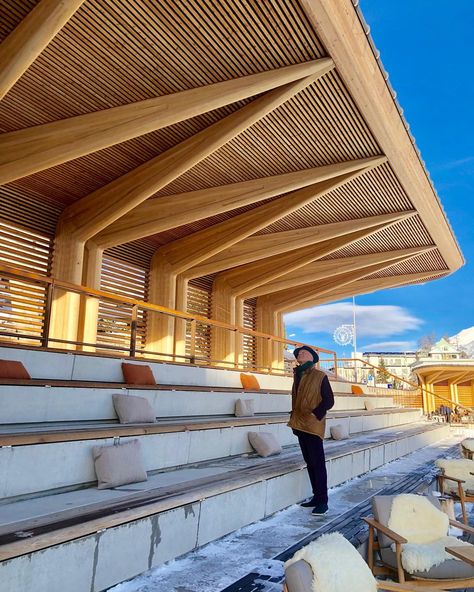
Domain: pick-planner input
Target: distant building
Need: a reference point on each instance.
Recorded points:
(398, 363)
(444, 350)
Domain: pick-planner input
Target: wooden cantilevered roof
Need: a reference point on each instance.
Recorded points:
(110, 54)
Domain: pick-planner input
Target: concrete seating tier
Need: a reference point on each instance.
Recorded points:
(44, 457)
(88, 532)
(63, 365)
(23, 403)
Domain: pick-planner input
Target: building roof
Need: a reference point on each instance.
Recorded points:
(116, 54)
(404, 353)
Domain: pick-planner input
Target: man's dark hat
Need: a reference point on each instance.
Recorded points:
(307, 348)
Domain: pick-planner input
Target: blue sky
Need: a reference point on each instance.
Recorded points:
(428, 49)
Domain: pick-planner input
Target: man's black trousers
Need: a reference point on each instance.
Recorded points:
(313, 454)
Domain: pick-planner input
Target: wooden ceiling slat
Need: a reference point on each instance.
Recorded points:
(114, 52)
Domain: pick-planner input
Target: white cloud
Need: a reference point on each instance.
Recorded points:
(372, 321)
(390, 346)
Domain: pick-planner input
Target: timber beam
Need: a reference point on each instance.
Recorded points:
(255, 248)
(191, 250)
(322, 269)
(91, 214)
(292, 296)
(244, 280)
(128, 191)
(34, 149)
(365, 286)
(162, 213)
(25, 43)
(179, 256)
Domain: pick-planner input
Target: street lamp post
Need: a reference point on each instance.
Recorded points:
(354, 336)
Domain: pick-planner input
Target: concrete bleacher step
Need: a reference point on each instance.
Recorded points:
(103, 537)
(39, 458)
(204, 481)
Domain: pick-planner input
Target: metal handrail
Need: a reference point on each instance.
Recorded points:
(415, 386)
(53, 284)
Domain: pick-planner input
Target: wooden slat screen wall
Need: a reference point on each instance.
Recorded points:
(199, 302)
(124, 279)
(249, 345)
(22, 304)
(442, 391)
(466, 395)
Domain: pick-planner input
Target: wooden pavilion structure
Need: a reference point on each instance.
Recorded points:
(446, 381)
(234, 159)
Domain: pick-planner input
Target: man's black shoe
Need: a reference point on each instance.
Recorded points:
(319, 509)
(309, 503)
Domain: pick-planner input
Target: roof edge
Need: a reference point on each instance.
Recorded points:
(345, 35)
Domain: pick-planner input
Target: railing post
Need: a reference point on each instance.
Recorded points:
(133, 331)
(47, 314)
(192, 357)
(236, 349)
(270, 354)
(335, 364)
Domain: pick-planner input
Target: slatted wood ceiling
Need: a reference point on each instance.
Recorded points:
(116, 52)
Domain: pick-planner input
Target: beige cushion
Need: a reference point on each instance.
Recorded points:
(118, 464)
(339, 432)
(370, 405)
(299, 577)
(244, 408)
(264, 443)
(449, 569)
(132, 409)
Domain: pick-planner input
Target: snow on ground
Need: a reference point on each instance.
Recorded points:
(218, 564)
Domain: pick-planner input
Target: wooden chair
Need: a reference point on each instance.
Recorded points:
(462, 495)
(302, 582)
(451, 574)
(339, 555)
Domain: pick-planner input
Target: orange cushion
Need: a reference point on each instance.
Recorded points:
(13, 369)
(357, 390)
(138, 374)
(249, 382)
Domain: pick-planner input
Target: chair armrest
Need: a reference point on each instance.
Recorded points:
(461, 526)
(452, 478)
(394, 587)
(390, 533)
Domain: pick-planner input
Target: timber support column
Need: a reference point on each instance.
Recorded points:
(89, 306)
(162, 291)
(267, 322)
(424, 395)
(280, 347)
(223, 350)
(67, 266)
(453, 392)
(239, 338)
(180, 324)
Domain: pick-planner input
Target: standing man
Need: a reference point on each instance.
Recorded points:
(312, 397)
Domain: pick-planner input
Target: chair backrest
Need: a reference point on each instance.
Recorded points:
(299, 577)
(334, 565)
(382, 507)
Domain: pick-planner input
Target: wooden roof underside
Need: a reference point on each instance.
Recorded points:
(115, 53)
